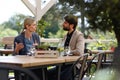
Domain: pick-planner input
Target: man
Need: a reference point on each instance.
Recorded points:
(74, 38)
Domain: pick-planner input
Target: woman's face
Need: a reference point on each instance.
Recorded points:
(32, 27)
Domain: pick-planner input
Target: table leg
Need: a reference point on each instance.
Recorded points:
(43, 73)
(1, 54)
(104, 57)
(59, 71)
(4, 74)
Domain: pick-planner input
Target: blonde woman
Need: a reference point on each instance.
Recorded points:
(27, 39)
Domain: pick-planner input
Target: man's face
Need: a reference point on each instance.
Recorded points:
(66, 26)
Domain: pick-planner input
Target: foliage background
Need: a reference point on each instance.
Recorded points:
(93, 14)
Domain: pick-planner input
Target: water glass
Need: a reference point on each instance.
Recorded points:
(66, 50)
(31, 51)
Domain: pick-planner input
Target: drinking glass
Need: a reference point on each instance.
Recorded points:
(67, 50)
(31, 51)
(61, 47)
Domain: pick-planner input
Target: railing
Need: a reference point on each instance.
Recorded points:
(98, 40)
(9, 40)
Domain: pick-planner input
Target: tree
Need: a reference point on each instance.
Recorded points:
(15, 22)
(104, 15)
(76, 6)
(7, 32)
(100, 14)
(41, 27)
(54, 17)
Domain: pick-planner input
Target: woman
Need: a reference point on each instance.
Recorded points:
(27, 39)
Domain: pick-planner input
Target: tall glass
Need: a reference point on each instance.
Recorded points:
(67, 50)
(61, 48)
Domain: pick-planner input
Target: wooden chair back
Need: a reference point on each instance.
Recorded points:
(100, 58)
(7, 42)
(83, 65)
(97, 58)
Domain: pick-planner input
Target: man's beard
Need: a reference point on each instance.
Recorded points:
(66, 29)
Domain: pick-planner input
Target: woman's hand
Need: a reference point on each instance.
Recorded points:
(18, 47)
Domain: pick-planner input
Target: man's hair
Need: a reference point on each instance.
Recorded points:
(71, 19)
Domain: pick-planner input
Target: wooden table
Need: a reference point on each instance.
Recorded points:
(32, 62)
(103, 51)
(74, 58)
(6, 51)
(29, 61)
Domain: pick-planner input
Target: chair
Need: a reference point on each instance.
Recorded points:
(83, 64)
(76, 72)
(107, 63)
(98, 63)
(4, 72)
(100, 58)
(7, 43)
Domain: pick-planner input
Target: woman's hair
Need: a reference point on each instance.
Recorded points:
(27, 21)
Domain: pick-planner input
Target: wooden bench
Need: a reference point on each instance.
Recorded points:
(7, 43)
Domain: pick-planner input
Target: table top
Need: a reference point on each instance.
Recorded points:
(74, 58)
(30, 61)
(105, 51)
